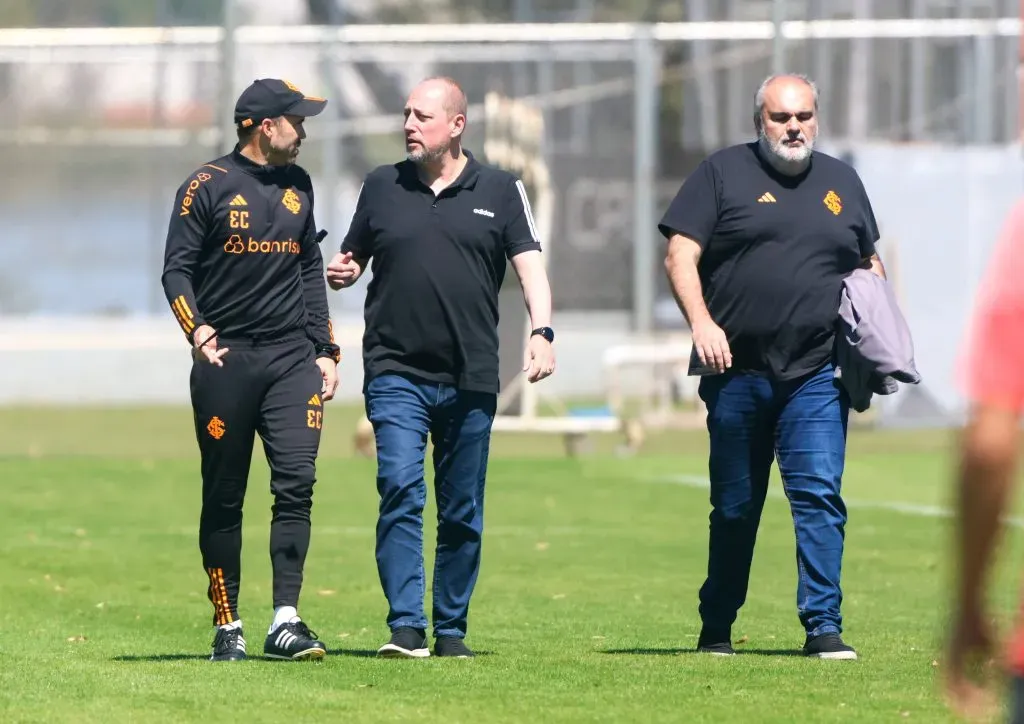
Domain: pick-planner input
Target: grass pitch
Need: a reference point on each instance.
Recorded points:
(585, 609)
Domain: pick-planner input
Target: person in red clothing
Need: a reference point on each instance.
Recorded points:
(991, 371)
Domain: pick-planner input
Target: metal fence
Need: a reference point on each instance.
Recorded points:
(107, 122)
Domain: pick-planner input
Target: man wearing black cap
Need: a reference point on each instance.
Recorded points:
(243, 274)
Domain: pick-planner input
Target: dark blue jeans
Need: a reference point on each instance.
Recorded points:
(403, 412)
(753, 421)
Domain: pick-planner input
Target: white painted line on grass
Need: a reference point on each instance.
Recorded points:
(916, 509)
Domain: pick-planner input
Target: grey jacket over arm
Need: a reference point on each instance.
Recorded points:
(874, 349)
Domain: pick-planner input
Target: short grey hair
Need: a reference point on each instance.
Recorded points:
(759, 96)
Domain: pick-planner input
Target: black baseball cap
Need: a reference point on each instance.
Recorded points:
(273, 97)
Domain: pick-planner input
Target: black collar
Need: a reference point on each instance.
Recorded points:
(407, 174)
(251, 167)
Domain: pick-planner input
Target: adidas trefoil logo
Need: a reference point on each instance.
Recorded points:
(766, 199)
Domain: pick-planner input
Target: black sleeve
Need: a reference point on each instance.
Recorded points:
(358, 239)
(694, 210)
(314, 289)
(520, 228)
(867, 229)
(185, 235)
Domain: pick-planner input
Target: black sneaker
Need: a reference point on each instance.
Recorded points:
(829, 646)
(293, 642)
(718, 643)
(228, 645)
(453, 646)
(405, 643)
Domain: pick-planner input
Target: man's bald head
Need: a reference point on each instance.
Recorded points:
(788, 86)
(453, 99)
(435, 118)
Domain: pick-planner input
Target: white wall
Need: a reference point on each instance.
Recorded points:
(82, 361)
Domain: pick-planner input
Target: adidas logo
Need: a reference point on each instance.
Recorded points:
(766, 199)
(314, 401)
(239, 200)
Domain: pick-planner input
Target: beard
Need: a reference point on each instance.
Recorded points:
(427, 155)
(283, 155)
(783, 158)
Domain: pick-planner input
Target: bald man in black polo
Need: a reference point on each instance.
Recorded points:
(439, 227)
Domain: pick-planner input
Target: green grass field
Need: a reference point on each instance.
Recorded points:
(585, 608)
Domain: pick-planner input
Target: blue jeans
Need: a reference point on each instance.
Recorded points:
(403, 411)
(802, 423)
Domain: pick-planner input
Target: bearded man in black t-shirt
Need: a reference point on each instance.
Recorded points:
(760, 237)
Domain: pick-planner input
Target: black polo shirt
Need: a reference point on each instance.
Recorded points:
(438, 263)
(775, 251)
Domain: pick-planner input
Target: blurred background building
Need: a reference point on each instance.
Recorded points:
(111, 103)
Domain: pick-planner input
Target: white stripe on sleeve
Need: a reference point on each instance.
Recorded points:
(527, 210)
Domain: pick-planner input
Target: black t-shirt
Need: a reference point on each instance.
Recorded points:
(438, 264)
(775, 250)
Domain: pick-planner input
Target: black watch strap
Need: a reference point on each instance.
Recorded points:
(331, 351)
(545, 332)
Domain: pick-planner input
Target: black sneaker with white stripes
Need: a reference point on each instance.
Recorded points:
(293, 642)
(228, 645)
(405, 643)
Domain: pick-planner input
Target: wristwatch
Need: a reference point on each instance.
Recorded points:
(331, 351)
(545, 332)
